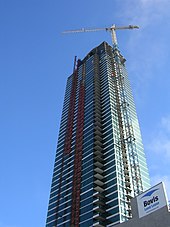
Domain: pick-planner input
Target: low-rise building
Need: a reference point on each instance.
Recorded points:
(150, 209)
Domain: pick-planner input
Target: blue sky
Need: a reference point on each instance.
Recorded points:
(35, 61)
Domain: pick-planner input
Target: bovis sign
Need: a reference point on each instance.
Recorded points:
(152, 200)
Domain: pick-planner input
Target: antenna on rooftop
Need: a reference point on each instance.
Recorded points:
(111, 29)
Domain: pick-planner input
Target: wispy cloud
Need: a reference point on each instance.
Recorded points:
(159, 149)
(161, 144)
(146, 12)
(165, 122)
(147, 47)
(160, 141)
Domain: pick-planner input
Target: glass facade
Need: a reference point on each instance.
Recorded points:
(100, 162)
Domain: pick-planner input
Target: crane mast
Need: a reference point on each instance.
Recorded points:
(111, 29)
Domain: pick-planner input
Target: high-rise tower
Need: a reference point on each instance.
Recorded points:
(100, 162)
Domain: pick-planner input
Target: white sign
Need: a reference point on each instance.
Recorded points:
(152, 200)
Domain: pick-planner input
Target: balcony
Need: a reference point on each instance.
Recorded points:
(98, 164)
(98, 151)
(99, 183)
(98, 143)
(98, 176)
(98, 195)
(98, 138)
(99, 217)
(97, 224)
(98, 131)
(98, 189)
(98, 170)
(98, 158)
(99, 209)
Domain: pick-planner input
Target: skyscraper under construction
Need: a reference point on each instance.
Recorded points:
(100, 162)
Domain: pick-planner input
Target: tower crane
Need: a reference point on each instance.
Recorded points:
(111, 29)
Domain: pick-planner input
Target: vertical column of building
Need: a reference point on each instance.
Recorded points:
(75, 210)
(122, 139)
(130, 157)
(111, 137)
(128, 128)
(99, 198)
(69, 132)
(117, 189)
(68, 137)
(58, 202)
(139, 156)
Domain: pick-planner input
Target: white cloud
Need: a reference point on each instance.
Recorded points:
(165, 122)
(146, 12)
(154, 9)
(154, 3)
(147, 47)
(159, 148)
(161, 144)
(160, 141)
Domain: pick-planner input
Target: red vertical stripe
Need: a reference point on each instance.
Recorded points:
(69, 131)
(75, 212)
